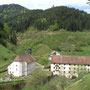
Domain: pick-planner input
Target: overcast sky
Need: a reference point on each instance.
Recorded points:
(44, 4)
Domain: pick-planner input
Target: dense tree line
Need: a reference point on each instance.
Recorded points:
(54, 18)
(10, 11)
(7, 13)
(66, 18)
(21, 22)
(6, 34)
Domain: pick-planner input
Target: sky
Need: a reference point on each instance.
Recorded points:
(44, 4)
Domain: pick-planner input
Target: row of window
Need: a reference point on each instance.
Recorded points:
(71, 64)
(68, 71)
(57, 67)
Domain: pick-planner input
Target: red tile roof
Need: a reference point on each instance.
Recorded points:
(70, 59)
(27, 57)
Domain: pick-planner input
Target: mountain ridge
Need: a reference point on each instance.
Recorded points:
(60, 17)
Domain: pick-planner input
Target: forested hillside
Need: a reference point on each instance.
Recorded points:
(67, 18)
(7, 12)
(6, 34)
(23, 21)
(55, 18)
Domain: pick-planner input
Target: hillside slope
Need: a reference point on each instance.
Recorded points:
(20, 18)
(6, 57)
(54, 18)
(65, 42)
(10, 11)
(83, 84)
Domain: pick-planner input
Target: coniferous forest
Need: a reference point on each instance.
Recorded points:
(18, 19)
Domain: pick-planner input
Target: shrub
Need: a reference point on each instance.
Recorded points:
(44, 61)
(54, 27)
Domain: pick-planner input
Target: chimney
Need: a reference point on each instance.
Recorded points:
(29, 50)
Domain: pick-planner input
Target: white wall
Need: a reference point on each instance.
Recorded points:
(30, 67)
(17, 69)
(24, 69)
(68, 70)
(10, 69)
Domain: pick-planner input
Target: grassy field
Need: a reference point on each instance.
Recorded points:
(6, 57)
(82, 84)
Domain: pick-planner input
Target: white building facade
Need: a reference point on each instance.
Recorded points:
(69, 65)
(22, 65)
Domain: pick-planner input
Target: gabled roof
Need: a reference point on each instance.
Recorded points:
(70, 59)
(27, 57)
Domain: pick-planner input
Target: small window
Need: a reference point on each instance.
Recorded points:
(10, 72)
(16, 65)
(54, 71)
(64, 67)
(69, 76)
(64, 72)
(16, 69)
(69, 71)
(70, 68)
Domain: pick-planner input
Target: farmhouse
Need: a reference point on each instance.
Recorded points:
(53, 53)
(69, 65)
(22, 65)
